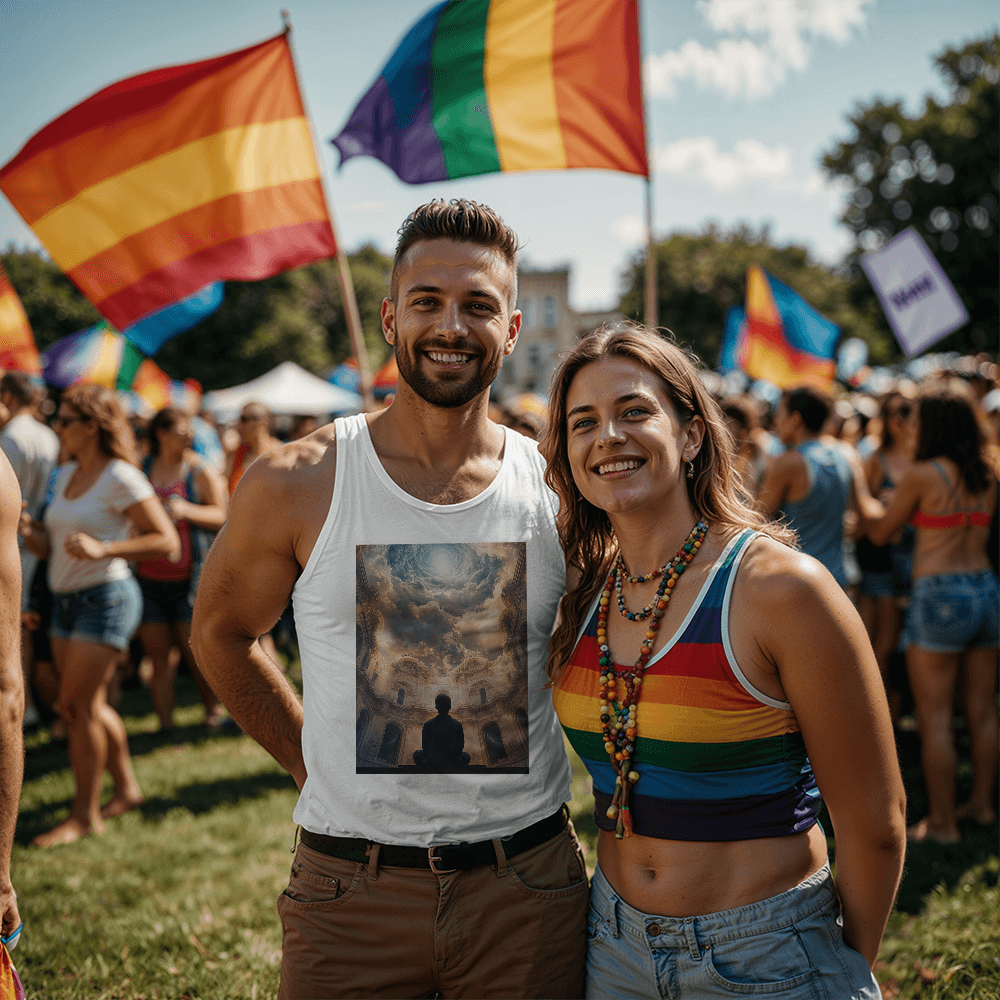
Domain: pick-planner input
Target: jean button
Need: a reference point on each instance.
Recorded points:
(653, 930)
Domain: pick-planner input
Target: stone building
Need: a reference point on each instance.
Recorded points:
(395, 696)
(549, 326)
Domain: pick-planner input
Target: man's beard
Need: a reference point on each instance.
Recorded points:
(440, 391)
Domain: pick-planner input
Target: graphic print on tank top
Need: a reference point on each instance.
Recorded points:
(445, 619)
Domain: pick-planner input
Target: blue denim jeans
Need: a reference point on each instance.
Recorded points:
(788, 947)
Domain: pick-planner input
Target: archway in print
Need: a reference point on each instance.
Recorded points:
(493, 739)
(392, 738)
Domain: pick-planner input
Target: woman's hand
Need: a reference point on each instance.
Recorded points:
(178, 508)
(80, 545)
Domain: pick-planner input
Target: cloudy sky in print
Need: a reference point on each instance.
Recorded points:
(440, 603)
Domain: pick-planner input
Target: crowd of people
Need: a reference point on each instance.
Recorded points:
(738, 583)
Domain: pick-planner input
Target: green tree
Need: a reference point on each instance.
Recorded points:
(54, 306)
(938, 172)
(701, 276)
(296, 316)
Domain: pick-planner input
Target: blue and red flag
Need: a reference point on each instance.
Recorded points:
(779, 336)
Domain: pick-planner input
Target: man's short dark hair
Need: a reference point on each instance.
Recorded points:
(810, 404)
(442, 703)
(460, 220)
(19, 385)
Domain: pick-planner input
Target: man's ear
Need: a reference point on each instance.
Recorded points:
(389, 321)
(513, 329)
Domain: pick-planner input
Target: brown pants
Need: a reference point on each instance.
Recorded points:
(517, 928)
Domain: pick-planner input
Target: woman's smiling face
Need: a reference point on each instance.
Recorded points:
(626, 445)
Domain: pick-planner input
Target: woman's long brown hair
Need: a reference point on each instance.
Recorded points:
(585, 530)
(97, 403)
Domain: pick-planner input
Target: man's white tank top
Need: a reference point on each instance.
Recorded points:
(402, 600)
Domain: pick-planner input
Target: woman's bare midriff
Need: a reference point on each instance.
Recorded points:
(683, 878)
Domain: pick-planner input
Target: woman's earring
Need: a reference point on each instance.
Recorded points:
(690, 469)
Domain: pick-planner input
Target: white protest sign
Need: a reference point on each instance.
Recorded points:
(918, 299)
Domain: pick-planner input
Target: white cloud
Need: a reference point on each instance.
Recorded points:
(702, 159)
(629, 230)
(780, 34)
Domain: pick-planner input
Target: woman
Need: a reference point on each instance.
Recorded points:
(100, 497)
(194, 495)
(741, 419)
(949, 494)
(703, 753)
(886, 570)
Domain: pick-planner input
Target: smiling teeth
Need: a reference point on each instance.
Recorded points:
(447, 359)
(619, 467)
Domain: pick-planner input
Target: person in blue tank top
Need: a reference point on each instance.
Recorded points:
(812, 483)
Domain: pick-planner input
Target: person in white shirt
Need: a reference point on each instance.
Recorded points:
(103, 514)
(32, 449)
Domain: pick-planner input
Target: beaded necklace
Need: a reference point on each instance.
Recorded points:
(620, 693)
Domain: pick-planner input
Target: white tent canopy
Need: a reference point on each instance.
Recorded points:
(285, 389)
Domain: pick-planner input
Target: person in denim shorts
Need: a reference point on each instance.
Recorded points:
(194, 495)
(100, 496)
(950, 496)
(707, 674)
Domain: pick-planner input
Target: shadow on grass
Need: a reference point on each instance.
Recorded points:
(197, 798)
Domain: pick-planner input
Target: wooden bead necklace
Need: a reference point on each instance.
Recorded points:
(620, 692)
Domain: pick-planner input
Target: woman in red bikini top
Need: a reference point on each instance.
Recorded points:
(949, 495)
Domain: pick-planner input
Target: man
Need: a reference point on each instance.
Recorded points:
(254, 425)
(11, 696)
(32, 449)
(813, 482)
(408, 882)
(442, 740)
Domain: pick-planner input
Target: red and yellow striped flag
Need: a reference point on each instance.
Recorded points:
(17, 343)
(166, 181)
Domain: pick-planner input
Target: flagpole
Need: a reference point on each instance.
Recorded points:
(350, 302)
(651, 297)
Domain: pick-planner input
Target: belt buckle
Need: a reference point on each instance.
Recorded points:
(432, 857)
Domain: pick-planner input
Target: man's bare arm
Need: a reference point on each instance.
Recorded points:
(11, 689)
(245, 585)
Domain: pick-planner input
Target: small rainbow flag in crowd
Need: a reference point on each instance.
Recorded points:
(779, 336)
(487, 86)
(164, 182)
(105, 357)
(17, 343)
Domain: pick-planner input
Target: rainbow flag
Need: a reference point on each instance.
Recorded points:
(487, 86)
(107, 358)
(17, 343)
(164, 182)
(781, 338)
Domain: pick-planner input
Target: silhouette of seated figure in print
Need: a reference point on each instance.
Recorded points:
(443, 740)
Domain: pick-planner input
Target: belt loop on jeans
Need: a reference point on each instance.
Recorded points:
(501, 858)
(694, 949)
(373, 850)
(615, 931)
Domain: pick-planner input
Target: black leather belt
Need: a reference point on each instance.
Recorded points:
(440, 858)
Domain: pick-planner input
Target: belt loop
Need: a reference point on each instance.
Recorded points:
(373, 850)
(295, 839)
(691, 936)
(615, 931)
(501, 858)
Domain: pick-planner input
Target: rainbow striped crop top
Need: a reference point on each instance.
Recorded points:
(717, 759)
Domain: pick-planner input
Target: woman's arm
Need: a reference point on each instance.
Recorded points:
(157, 537)
(212, 512)
(807, 628)
(35, 535)
(882, 521)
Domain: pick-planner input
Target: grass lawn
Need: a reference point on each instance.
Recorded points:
(176, 900)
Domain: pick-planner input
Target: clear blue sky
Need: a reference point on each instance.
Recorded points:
(744, 95)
